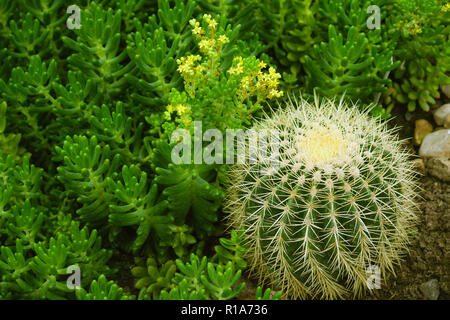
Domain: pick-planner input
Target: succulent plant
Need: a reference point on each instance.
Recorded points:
(424, 50)
(338, 200)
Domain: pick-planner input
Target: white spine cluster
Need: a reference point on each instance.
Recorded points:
(340, 201)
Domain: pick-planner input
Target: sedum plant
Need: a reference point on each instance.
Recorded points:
(351, 66)
(150, 279)
(338, 200)
(40, 272)
(221, 89)
(84, 161)
(423, 50)
(267, 294)
(103, 289)
(203, 280)
(232, 249)
(9, 143)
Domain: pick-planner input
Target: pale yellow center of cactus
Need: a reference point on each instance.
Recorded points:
(320, 145)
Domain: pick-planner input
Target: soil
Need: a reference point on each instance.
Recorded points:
(429, 256)
(124, 262)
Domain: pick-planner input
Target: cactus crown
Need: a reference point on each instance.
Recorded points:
(341, 200)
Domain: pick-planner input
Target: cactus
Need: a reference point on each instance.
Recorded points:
(339, 200)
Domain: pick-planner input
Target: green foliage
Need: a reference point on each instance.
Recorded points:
(343, 67)
(21, 213)
(9, 144)
(138, 205)
(117, 130)
(26, 224)
(267, 294)
(181, 239)
(201, 280)
(23, 179)
(286, 28)
(413, 34)
(74, 101)
(102, 289)
(154, 48)
(197, 278)
(41, 271)
(28, 38)
(97, 46)
(232, 249)
(86, 166)
(188, 189)
(424, 51)
(152, 278)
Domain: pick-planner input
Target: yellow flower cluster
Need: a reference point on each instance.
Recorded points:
(206, 44)
(223, 39)
(258, 82)
(212, 24)
(201, 71)
(239, 67)
(182, 111)
(196, 29)
(446, 7)
(268, 82)
(187, 65)
(208, 41)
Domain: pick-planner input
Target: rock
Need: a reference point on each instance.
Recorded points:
(430, 289)
(441, 114)
(423, 127)
(436, 145)
(439, 168)
(447, 122)
(419, 165)
(446, 90)
(248, 293)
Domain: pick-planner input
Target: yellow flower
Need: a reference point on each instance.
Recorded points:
(273, 72)
(204, 44)
(182, 109)
(246, 82)
(186, 64)
(239, 67)
(194, 23)
(170, 108)
(223, 39)
(212, 24)
(198, 30)
(275, 93)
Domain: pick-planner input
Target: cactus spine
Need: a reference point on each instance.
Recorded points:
(340, 201)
